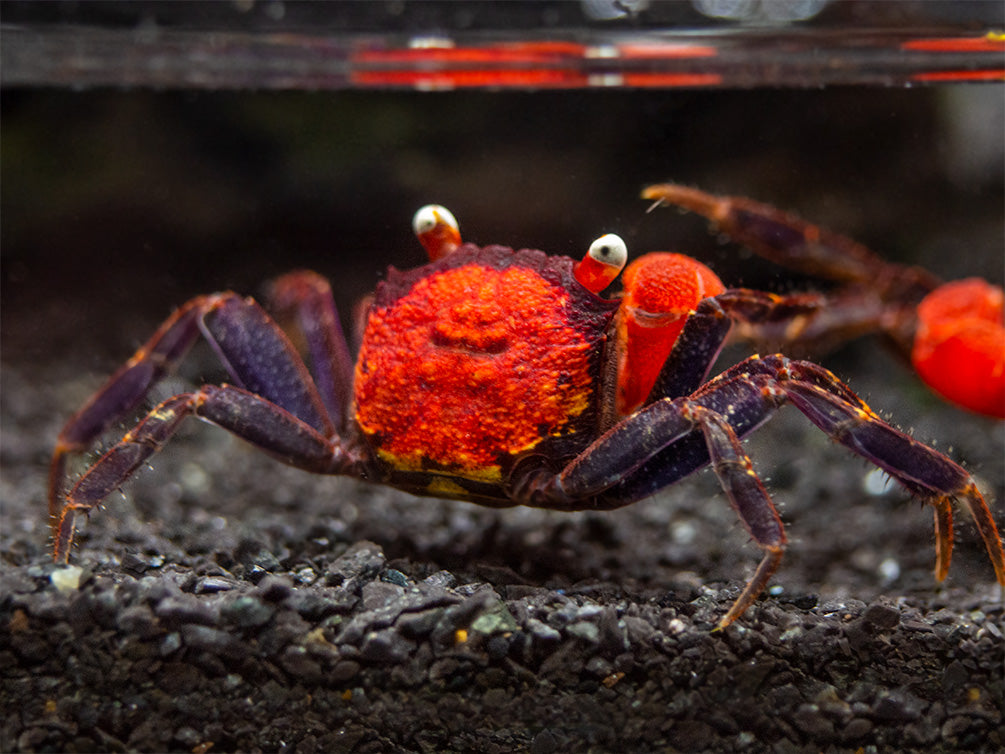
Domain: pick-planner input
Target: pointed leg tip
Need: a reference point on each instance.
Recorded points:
(63, 537)
(692, 199)
(60, 554)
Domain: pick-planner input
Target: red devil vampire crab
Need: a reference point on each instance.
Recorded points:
(503, 378)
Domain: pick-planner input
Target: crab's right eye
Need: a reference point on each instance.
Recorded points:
(436, 230)
(605, 258)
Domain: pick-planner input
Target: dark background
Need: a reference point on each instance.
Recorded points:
(135, 201)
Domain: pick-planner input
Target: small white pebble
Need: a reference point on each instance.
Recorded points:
(877, 482)
(194, 478)
(683, 533)
(67, 579)
(676, 626)
(889, 570)
(789, 634)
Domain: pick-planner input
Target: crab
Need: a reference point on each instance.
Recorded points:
(504, 378)
(952, 333)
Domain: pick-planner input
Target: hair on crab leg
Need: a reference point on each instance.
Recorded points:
(921, 470)
(622, 450)
(263, 361)
(700, 342)
(246, 415)
(943, 537)
(305, 299)
(124, 391)
(749, 499)
(666, 435)
(953, 333)
(784, 238)
(985, 523)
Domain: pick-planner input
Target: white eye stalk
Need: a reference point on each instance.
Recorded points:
(437, 230)
(609, 250)
(605, 258)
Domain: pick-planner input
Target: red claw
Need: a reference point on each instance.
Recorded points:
(959, 348)
(661, 290)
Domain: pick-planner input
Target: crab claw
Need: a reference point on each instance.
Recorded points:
(661, 291)
(959, 348)
(437, 231)
(603, 261)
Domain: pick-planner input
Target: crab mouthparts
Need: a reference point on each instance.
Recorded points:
(475, 343)
(644, 318)
(473, 326)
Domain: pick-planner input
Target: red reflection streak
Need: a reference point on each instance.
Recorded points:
(516, 64)
(995, 75)
(672, 79)
(522, 64)
(665, 51)
(526, 53)
(957, 44)
(471, 78)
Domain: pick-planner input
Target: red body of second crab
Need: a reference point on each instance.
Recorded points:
(502, 377)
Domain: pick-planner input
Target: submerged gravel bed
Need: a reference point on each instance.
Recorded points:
(229, 603)
(368, 659)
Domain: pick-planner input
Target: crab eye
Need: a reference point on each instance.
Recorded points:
(437, 230)
(610, 250)
(605, 258)
(428, 217)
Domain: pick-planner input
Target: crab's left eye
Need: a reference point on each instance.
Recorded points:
(428, 217)
(437, 230)
(609, 250)
(605, 258)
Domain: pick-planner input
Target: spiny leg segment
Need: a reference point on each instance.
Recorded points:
(730, 406)
(125, 390)
(249, 416)
(302, 302)
(874, 295)
(791, 241)
(276, 406)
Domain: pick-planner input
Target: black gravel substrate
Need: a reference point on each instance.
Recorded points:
(235, 604)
